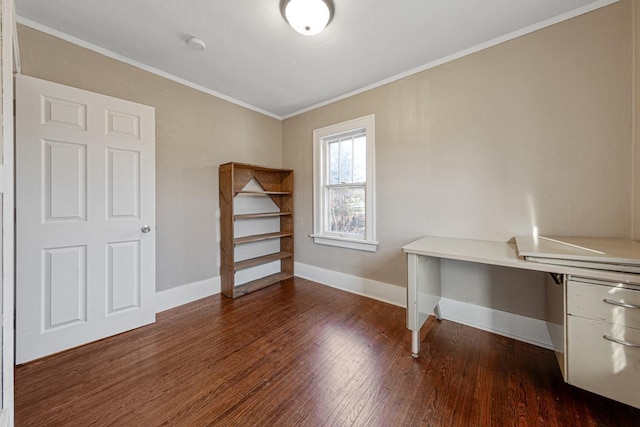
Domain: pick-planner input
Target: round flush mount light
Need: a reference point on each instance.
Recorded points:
(307, 17)
(196, 44)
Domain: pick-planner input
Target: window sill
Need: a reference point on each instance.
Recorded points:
(361, 245)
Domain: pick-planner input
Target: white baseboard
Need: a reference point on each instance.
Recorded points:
(5, 418)
(380, 291)
(186, 293)
(521, 328)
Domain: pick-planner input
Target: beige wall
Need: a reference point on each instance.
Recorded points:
(532, 132)
(195, 133)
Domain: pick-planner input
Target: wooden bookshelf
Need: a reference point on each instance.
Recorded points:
(252, 262)
(260, 215)
(261, 237)
(276, 184)
(264, 193)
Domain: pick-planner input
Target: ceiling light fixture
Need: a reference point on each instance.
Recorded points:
(307, 17)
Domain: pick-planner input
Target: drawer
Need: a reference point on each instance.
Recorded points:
(588, 300)
(602, 366)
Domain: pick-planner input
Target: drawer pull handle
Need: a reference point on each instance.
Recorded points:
(620, 304)
(617, 341)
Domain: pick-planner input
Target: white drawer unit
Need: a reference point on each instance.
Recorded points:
(605, 301)
(603, 338)
(607, 366)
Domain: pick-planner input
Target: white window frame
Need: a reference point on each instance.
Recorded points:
(321, 138)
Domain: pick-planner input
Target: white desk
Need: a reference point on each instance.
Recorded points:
(423, 261)
(424, 292)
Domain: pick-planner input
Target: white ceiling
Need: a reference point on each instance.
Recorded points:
(255, 59)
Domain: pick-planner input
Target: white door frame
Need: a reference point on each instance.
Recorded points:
(7, 231)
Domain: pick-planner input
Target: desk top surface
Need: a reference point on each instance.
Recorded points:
(503, 254)
(584, 249)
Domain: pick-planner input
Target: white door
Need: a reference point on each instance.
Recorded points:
(85, 217)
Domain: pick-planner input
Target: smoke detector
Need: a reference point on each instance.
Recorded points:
(196, 44)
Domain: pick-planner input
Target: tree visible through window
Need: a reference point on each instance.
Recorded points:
(346, 188)
(343, 184)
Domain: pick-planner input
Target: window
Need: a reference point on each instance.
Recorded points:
(343, 185)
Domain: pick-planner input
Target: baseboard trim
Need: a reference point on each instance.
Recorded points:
(5, 418)
(521, 328)
(373, 289)
(184, 294)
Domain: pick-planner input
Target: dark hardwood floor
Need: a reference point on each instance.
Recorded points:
(301, 353)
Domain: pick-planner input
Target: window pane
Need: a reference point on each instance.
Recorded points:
(346, 210)
(346, 159)
(334, 162)
(360, 159)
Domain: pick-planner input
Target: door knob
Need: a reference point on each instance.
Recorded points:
(146, 228)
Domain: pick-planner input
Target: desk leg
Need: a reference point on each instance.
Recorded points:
(415, 344)
(423, 294)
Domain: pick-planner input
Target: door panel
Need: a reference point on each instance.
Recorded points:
(85, 187)
(65, 286)
(123, 276)
(64, 113)
(123, 184)
(123, 124)
(64, 172)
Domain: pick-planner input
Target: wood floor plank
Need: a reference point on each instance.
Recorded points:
(299, 353)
